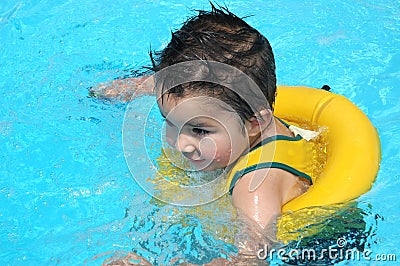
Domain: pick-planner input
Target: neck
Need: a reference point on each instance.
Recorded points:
(267, 130)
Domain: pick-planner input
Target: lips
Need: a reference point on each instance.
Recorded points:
(198, 164)
(197, 161)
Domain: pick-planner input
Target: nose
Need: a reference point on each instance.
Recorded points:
(184, 145)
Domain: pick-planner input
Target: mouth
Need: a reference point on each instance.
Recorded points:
(198, 164)
(196, 161)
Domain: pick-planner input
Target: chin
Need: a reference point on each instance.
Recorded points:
(209, 168)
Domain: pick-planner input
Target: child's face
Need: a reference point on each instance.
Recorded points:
(208, 135)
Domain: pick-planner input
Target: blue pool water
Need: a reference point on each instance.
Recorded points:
(66, 194)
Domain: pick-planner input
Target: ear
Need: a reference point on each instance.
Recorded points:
(259, 122)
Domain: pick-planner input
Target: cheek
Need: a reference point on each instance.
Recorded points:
(237, 145)
(223, 152)
(223, 156)
(211, 148)
(223, 149)
(170, 136)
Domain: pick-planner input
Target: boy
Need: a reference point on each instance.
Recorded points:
(219, 120)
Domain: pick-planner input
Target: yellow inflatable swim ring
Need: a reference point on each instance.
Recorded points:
(351, 160)
(352, 148)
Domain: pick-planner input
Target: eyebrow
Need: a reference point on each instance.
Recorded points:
(192, 123)
(195, 123)
(198, 124)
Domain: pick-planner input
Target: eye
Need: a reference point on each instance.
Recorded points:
(200, 132)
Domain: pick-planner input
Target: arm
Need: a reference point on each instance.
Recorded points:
(258, 210)
(123, 89)
(262, 206)
(264, 203)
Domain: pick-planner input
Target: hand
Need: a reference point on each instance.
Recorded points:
(123, 89)
(220, 262)
(214, 262)
(129, 259)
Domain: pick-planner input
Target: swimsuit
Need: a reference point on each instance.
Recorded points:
(292, 154)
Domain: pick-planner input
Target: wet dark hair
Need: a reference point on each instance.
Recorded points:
(218, 35)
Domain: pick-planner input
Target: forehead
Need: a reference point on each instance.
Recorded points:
(194, 107)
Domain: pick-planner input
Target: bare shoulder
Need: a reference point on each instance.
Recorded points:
(262, 193)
